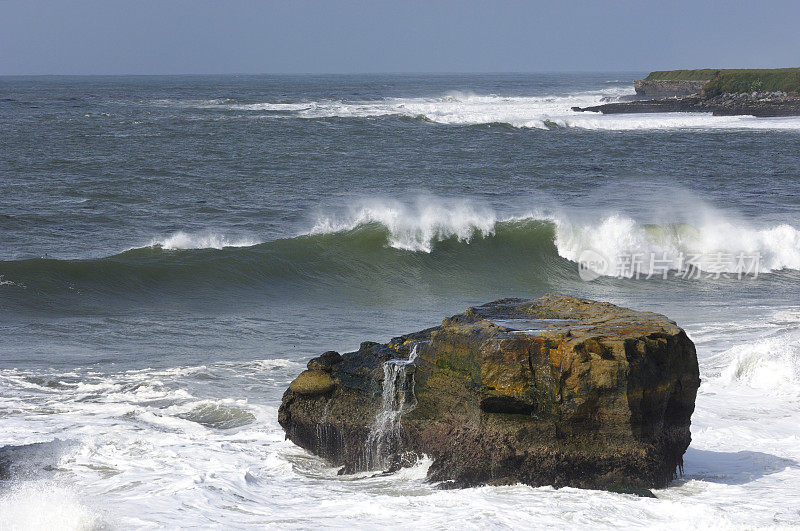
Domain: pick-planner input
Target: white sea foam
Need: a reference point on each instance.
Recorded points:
(205, 240)
(223, 461)
(286, 107)
(540, 112)
(4, 282)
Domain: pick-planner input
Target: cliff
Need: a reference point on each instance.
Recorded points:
(755, 92)
(657, 89)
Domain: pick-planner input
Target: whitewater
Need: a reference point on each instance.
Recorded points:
(173, 251)
(101, 457)
(467, 108)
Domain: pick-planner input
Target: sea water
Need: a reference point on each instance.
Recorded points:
(174, 249)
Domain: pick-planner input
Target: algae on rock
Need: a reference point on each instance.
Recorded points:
(555, 391)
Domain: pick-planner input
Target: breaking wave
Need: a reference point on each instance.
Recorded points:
(712, 244)
(464, 108)
(389, 243)
(771, 364)
(715, 245)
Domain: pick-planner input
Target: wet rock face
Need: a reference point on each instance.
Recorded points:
(555, 391)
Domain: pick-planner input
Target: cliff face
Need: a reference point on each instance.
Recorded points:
(658, 89)
(555, 391)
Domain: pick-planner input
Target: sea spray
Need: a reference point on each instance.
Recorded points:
(397, 397)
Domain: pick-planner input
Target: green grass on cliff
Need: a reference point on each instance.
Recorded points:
(736, 80)
(704, 74)
(773, 80)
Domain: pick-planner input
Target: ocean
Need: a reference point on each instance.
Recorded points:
(174, 249)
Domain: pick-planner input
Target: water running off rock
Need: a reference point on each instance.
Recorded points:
(397, 398)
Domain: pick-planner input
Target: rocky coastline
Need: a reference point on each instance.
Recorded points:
(554, 391)
(759, 104)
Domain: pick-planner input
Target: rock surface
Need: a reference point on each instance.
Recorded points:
(554, 391)
(760, 104)
(666, 88)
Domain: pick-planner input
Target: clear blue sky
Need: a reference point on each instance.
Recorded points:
(199, 36)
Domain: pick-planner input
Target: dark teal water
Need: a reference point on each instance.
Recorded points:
(169, 223)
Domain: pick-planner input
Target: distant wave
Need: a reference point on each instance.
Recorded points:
(464, 108)
(206, 240)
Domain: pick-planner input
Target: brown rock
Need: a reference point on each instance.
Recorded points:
(555, 391)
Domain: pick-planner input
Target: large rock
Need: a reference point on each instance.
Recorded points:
(555, 391)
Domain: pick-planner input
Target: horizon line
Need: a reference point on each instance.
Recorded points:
(369, 73)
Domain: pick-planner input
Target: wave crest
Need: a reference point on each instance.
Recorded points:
(415, 227)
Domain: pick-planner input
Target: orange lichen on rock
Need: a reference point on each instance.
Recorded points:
(553, 391)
